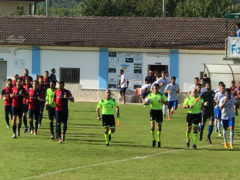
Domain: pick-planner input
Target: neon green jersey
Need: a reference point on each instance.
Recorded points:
(49, 97)
(196, 109)
(154, 100)
(107, 106)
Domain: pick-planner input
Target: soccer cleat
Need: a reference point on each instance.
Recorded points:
(169, 118)
(25, 130)
(59, 140)
(14, 136)
(109, 137)
(194, 146)
(231, 146)
(107, 144)
(209, 140)
(219, 134)
(154, 143)
(8, 126)
(32, 131)
(225, 145)
(188, 144)
(159, 144)
(52, 137)
(35, 132)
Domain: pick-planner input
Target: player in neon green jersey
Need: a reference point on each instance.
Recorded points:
(107, 105)
(156, 100)
(194, 105)
(50, 106)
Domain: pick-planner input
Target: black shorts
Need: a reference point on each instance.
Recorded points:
(61, 116)
(51, 113)
(207, 114)
(156, 115)
(17, 111)
(8, 110)
(123, 91)
(108, 121)
(25, 108)
(193, 119)
(34, 113)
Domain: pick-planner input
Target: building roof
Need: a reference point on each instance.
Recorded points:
(116, 32)
(25, 0)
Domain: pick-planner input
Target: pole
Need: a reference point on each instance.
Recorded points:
(47, 7)
(164, 8)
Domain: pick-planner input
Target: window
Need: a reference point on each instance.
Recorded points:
(70, 75)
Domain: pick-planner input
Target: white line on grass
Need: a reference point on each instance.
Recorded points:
(109, 162)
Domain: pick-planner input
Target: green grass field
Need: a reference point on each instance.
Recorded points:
(130, 156)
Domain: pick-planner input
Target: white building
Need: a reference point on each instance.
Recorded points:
(87, 52)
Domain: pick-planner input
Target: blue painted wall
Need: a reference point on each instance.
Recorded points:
(103, 68)
(36, 60)
(174, 63)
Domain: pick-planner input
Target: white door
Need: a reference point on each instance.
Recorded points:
(3, 74)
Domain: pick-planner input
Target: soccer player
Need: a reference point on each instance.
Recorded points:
(34, 106)
(199, 89)
(208, 111)
(123, 86)
(145, 90)
(226, 105)
(25, 75)
(43, 89)
(50, 106)
(217, 112)
(61, 98)
(18, 93)
(163, 81)
(46, 79)
(150, 78)
(196, 81)
(202, 82)
(26, 86)
(53, 77)
(156, 99)
(233, 88)
(107, 105)
(8, 100)
(36, 78)
(172, 89)
(194, 104)
(16, 76)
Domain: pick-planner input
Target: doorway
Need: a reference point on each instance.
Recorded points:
(3, 74)
(157, 69)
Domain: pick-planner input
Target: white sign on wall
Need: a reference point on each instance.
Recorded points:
(233, 47)
(20, 63)
(131, 63)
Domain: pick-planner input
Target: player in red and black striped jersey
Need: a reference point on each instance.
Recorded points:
(61, 97)
(16, 76)
(17, 95)
(8, 100)
(42, 89)
(27, 86)
(46, 79)
(25, 76)
(34, 106)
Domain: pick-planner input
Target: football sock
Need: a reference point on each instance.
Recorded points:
(109, 132)
(210, 129)
(31, 125)
(14, 129)
(164, 109)
(195, 137)
(153, 134)
(219, 127)
(201, 128)
(59, 130)
(106, 137)
(231, 136)
(159, 136)
(64, 128)
(225, 135)
(19, 126)
(51, 128)
(36, 125)
(187, 136)
(7, 118)
(25, 121)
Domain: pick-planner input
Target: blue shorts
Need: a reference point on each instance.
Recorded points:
(217, 112)
(144, 95)
(173, 104)
(123, 91)
(228, 122)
